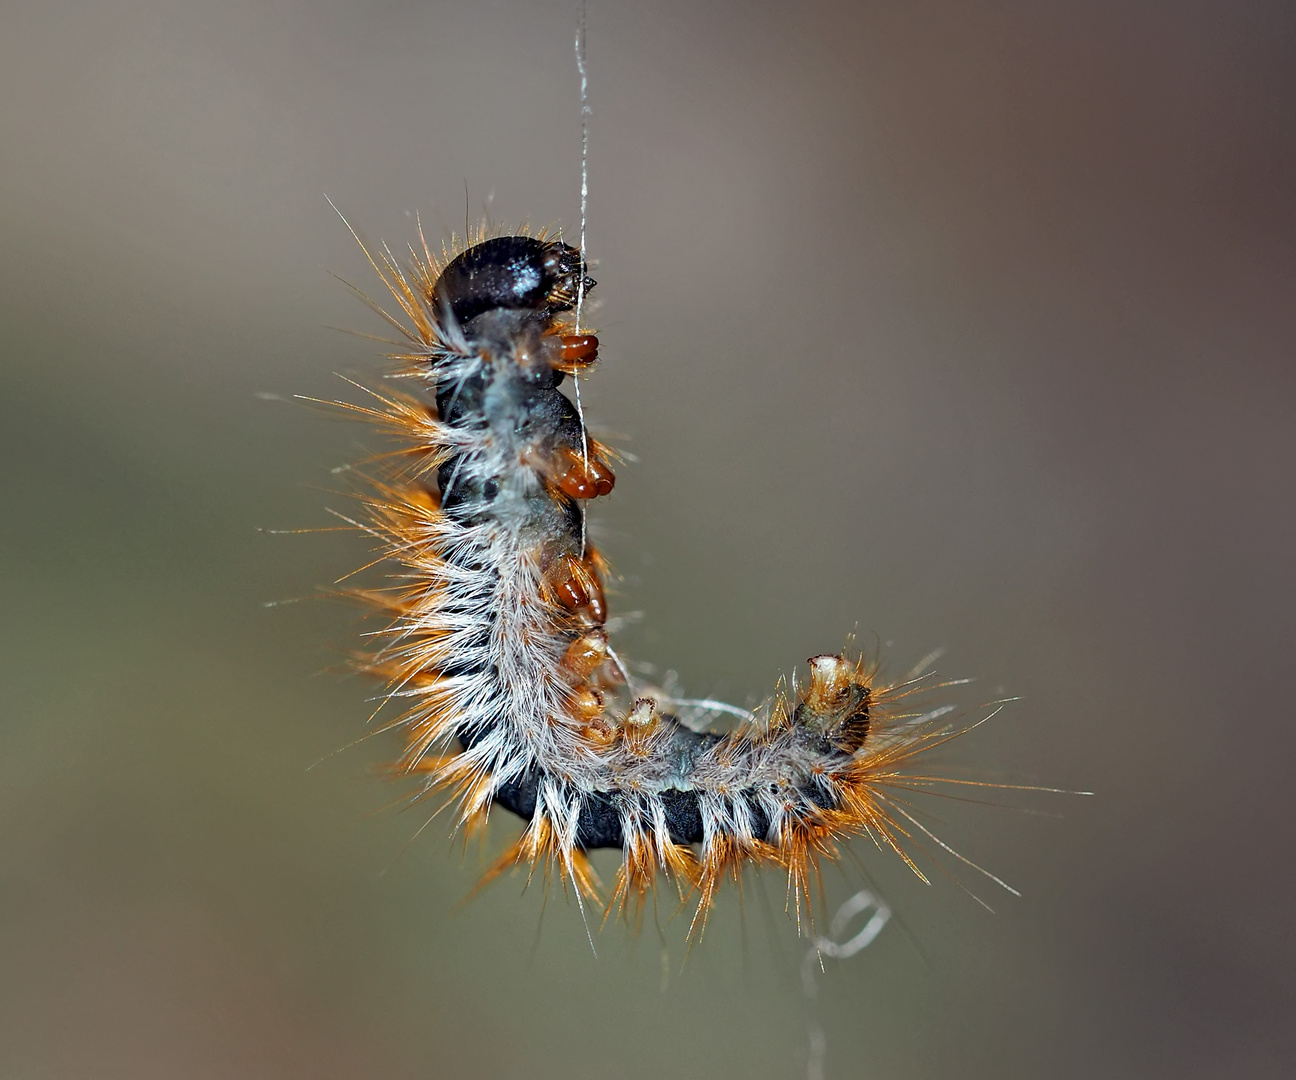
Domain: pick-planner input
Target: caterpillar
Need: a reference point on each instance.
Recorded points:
(496, 649)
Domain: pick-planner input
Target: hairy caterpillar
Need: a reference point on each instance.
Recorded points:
(497, 646)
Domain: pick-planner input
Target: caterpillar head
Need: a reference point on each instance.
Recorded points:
(513, 272)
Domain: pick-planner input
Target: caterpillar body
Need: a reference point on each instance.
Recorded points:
(497, 649)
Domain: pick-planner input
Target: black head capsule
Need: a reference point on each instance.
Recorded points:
(512, 272)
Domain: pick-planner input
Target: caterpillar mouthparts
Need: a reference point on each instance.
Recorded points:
(497, 646)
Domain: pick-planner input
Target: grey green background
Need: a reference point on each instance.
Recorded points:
(968, 324)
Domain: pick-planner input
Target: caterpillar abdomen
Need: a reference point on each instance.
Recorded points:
(498, 645)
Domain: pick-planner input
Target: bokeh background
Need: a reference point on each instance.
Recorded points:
(969, 325)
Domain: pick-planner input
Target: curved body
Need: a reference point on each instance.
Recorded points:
(497, 646)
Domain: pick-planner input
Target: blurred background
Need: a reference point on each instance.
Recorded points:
(965, 325)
